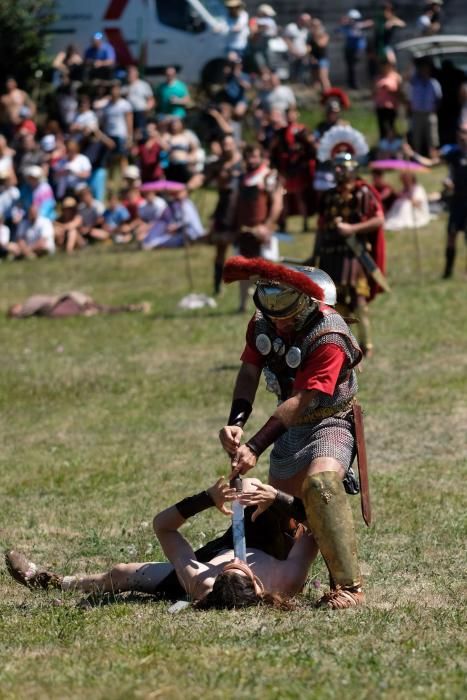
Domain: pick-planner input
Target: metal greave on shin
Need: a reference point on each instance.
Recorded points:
(361, 313)
(330, 518)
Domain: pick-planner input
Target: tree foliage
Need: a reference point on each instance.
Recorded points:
(23, 25)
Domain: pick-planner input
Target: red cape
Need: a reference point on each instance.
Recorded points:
(377, 240)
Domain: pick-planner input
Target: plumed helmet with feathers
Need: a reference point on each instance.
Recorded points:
(343, 145)
(283, 291)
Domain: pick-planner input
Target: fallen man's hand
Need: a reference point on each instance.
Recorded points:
(262, 497)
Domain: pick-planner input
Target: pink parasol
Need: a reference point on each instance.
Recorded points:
(398, 164)
(163, 186)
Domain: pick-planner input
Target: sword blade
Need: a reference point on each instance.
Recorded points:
(238, 522)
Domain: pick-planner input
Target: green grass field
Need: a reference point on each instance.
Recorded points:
(107, 420)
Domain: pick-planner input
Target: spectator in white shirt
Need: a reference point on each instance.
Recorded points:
(4, 239)
(117, 123)
(296, 37)
(238, 30)
(265, 21)
(71, 171)
(35, 236)
(273, 96)
(86, 120)
(139, 94)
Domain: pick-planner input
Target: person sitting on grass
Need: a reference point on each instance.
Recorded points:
(277, 564)
(67, 226)
(410, 209)
(34, 237)
(116, 218)
(178, 224)
(5, 235)
(149, 212)
(91, 212)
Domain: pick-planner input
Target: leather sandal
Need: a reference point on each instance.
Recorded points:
(341, 598)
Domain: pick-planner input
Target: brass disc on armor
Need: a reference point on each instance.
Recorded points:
(293, 357)
(263, 344)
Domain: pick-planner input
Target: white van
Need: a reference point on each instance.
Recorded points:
(187, 34)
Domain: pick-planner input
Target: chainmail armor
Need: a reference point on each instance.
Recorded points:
(332, 436)
(330, 328)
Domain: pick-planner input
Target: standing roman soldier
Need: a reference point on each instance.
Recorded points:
(226, 172)
(350, 243)
(293, 154)
(308, 356)
(257, 209)
(334, 102)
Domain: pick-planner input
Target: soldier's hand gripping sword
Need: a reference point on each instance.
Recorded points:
(238, 522)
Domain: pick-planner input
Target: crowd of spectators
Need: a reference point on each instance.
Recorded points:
(86, 163)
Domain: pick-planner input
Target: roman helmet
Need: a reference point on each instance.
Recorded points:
(283, 291)
(345, 147)
(335, 99)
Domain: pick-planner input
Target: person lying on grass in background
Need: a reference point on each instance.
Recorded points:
(69, 304)
(279, 554)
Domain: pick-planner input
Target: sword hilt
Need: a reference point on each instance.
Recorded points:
(237, 484)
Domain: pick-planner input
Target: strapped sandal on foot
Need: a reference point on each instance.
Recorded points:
(341, 598)
(28, 574)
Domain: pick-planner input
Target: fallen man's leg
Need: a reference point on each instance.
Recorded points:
(139, 578)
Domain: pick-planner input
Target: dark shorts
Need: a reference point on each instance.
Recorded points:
(458, 217)
(120, 146)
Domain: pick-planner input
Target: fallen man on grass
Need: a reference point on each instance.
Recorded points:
(69, 304)
(279, 555)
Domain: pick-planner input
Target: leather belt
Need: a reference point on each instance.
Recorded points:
(319, 413)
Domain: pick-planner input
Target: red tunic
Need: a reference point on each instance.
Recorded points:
(320, 370)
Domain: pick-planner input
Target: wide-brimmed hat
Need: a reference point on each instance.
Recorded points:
(131, 172)
(34, 171)
(266, 10)
(233, 3)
